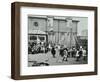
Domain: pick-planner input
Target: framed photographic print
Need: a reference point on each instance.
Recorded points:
(53, 40)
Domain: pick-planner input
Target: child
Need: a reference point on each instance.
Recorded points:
(65, 55)
(77, 55)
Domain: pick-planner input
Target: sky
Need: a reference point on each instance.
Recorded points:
(82, 24)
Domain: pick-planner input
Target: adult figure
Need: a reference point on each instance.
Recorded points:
(61, 51)
(84, 54)
(53, 52)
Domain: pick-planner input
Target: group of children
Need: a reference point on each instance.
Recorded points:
(65, 53)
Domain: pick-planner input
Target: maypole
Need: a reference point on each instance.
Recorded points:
(69, 25)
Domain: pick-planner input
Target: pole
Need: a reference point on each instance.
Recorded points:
(70, 37)
(58, 31)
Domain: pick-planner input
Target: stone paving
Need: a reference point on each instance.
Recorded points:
(48, 58)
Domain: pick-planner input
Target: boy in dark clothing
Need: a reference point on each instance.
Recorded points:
(80, 53)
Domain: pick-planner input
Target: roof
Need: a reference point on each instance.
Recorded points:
(63, 18)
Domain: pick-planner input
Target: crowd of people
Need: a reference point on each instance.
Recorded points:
(35, 48)
(73, 52)
(64, 52)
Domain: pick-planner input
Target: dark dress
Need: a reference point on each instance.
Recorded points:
(53, 51)
(61, 52)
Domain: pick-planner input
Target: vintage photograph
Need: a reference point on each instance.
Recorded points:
(57, 40)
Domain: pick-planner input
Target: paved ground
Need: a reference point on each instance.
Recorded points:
(48, 58)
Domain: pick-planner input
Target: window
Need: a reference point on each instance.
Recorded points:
(41, 38)
(33, 37)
